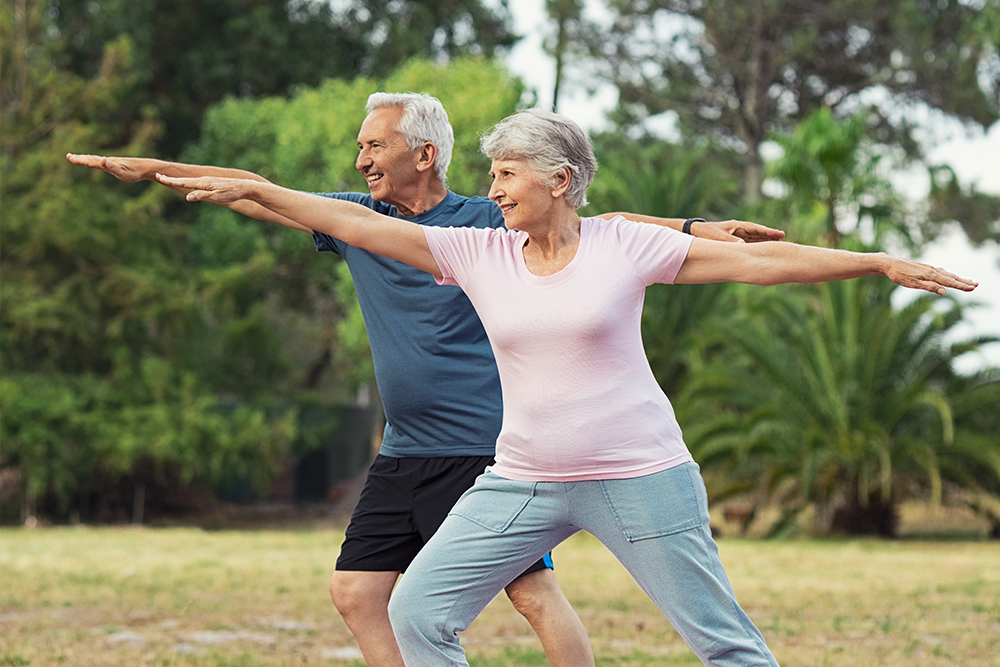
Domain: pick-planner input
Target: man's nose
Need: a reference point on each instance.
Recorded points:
(364, 160)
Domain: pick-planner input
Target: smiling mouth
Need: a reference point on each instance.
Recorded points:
(373, 178)
(507, 208)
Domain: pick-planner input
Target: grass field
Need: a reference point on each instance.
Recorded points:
(124, 597)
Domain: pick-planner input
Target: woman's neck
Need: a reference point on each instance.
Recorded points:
(550, 249)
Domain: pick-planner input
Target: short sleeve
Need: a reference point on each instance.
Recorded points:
(327, 243)
(656, 252)
(457, 250)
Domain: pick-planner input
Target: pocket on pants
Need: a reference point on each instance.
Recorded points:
(494, 502)
(663, 503)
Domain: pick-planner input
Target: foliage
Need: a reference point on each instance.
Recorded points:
(106, 327)
(193, 53)
(567, 15)
(738, 71)
(832, 166)
(978, 213)
(841, 402)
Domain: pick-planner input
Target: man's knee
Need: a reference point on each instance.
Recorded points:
(360, 592)
(341, 593)
(534, 593)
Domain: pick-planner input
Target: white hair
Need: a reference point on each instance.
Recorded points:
(548, 142)
(424, 119)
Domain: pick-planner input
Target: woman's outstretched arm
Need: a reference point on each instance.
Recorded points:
(778, 263)
(352, 223)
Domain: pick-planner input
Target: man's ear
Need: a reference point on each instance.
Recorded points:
(562, 178)
(426, 156)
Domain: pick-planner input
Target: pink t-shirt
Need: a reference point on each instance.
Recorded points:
(579, 399)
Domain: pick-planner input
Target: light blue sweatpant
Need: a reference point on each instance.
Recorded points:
(656, 525)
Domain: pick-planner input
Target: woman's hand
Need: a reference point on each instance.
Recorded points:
(917, 275)
(222, 191)
(781, 263)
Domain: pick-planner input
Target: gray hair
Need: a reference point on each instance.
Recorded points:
(424, 119)
(547, 142)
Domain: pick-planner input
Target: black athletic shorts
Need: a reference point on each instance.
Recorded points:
(402, 504)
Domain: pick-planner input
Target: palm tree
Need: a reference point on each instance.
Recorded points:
(832, 170)
(830, 397)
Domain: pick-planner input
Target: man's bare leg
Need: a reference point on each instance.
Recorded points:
(362, 598)
(538, 597)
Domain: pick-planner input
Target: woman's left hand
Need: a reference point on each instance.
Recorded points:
(917, 275)
(215, 190)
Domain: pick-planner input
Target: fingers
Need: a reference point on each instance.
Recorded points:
(752, 232)
(206, 188)
(189, 187)
(185, 183)
(934, 279)
(168, 180)
(92, 161)
(944, 279)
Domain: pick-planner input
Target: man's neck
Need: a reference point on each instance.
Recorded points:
(422, 200)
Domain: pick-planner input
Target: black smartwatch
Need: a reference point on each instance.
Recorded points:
(687, 224)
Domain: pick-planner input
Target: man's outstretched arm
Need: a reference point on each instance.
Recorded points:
(135, 169)
(735, 231)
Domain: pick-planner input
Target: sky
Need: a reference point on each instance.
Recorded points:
(974, 155)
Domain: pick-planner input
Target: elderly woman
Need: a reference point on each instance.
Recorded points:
(589, 441)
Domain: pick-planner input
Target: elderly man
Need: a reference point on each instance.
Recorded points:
(434, 367)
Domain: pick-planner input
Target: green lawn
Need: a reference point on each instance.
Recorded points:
(107, 596)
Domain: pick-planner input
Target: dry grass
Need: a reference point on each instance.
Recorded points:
(81, 596)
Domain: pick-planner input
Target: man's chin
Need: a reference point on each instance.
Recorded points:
(375, 191)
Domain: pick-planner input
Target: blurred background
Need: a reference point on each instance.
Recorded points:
(161, 360)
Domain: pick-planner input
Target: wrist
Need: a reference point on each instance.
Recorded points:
(154, 167)
(686, 227)
(883, 263)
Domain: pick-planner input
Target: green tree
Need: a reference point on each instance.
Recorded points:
(191, 54)
(842, 403)
(977, 213)
(832, 167)
(567, 15)
(738, 71)
(103, 322)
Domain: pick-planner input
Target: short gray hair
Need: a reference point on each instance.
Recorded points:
(547, 142)
(424, 119)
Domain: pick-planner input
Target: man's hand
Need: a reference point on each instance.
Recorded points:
(735, 231)
(128, 169)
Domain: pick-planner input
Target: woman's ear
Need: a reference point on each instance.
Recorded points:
(562, 180)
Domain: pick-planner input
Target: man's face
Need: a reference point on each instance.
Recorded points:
(384, 159)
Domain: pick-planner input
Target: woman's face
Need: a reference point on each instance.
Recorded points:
(523, 199)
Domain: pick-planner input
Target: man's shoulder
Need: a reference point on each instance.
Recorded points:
(462, 211)
(364, 199)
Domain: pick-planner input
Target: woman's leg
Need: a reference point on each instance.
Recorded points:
(494, 532)
(658, 527)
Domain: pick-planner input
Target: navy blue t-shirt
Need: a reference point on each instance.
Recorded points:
(433, 363)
